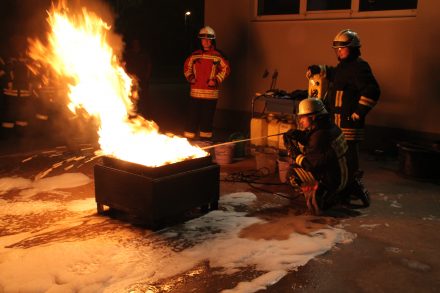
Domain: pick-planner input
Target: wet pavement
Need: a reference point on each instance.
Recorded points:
(395, 248)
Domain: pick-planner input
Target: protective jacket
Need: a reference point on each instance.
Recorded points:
(18, 78)
(204, 66)
(324, 155)
(353, 89)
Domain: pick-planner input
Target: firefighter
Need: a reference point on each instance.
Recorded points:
(17, 92)
(321, 169)
(353, 91)
(205, 69)
(3, 83)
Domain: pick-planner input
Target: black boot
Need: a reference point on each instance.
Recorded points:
(359, 192)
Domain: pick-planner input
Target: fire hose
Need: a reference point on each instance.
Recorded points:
(238, 141)
(251, 181)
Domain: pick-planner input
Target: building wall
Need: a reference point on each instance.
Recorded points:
(402, 51)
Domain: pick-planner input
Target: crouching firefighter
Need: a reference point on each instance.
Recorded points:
(321, 170)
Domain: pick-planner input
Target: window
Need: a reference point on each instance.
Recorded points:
(316, 5)
(277, 7)
(376, 5)
(332, 9)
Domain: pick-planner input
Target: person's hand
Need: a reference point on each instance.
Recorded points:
(287, 139)
(212, 83)
(312, 70)
(309, 192)
(291, 147)
(294, 150)
(192, 79)
(355, 116)
(290, 136)
(293, 134)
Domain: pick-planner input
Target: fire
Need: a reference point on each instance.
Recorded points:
(78, 51)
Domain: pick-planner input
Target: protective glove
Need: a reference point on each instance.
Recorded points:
(287, 139)
(309, 192)
(293, 134)
(294, 150)
(290, 143)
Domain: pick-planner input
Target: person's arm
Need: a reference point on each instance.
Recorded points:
(223, 70)
(368, 88)
(188, 70)
(317, 154)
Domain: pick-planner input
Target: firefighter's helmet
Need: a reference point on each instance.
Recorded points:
(206, 33)
(311, 106)
(346, 38)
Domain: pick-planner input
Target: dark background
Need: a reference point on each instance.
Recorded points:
(166, 36)
(161, 26)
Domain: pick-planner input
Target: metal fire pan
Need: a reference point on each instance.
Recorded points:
(156, 195)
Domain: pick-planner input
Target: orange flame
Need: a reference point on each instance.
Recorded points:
(78, 51)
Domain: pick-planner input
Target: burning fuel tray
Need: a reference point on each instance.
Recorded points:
(157, 194)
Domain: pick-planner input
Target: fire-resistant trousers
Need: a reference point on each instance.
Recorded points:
(200, 117)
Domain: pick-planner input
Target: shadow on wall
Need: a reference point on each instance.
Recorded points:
(242, 50)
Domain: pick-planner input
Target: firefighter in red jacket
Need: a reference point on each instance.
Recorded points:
(205, 70)
(353, 91)
(321, 169)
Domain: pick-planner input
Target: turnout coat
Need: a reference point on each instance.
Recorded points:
(353, 89)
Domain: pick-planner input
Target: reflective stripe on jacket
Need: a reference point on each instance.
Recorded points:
(204, 66)
(353, 90)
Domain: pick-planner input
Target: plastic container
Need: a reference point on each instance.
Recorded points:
(419, 161)
(240, 147)
(283, 168)
(224, 154)
(273, 127)
(259, 129)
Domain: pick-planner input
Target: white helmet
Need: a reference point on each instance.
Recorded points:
(311, 106)
(346, 38)
(206, 33)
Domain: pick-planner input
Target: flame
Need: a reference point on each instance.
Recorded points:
(77, 50)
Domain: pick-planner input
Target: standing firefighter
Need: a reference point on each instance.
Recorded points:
(205, 70)
(353, 91)
(17, 87)
(322, 169)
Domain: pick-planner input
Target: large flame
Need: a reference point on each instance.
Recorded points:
(78, 51)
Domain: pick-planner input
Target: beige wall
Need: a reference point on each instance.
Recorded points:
(402, 51)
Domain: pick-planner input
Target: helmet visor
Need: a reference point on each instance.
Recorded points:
(341, 44)
(206, 36)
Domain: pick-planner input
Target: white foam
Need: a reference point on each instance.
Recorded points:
(117, 258)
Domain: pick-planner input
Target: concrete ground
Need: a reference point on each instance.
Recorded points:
(396, 248)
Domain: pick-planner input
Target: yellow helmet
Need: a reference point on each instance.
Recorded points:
(346, 38)
(311, 106)
(206, 33)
